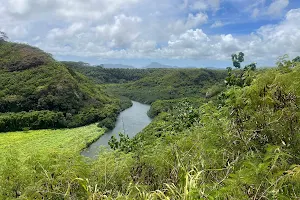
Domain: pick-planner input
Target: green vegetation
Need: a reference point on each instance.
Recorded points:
(47, 141)
(102, 75)
(246, 149)
(240, 77)
(38, 92)
(165, 84)
(44, 163)
(160, 106)
(234, 142)
(149, 85)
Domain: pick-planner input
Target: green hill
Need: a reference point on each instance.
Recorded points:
(164, 84)
(101, 75)
(149, 85)
(38, 92)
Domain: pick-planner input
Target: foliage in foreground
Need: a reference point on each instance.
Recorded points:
(36, 164)
(246, 149)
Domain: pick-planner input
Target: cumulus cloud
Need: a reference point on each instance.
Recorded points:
(122, 32)
(261, 9)
(70, 31)
(146, 29)
(192, 21)
(268, 42)
(68, 9)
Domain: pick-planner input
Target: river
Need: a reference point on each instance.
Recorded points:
(131, 121)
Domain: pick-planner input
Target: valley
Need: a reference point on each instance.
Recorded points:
(213, 134)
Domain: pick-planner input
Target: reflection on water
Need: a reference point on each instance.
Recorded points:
(131, 121)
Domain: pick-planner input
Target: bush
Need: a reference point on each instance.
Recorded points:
(31, 120)
(108, 122)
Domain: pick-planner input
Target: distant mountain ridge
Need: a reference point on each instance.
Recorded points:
(153, 65)
(121, 66)
(159, 65)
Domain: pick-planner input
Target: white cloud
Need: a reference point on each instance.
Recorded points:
(260, 9)
(203, 5)
(192, 21)
(19, 31)
(255, 13)
(217, 24)
(122, 32)
(19, 6)
(277, 7)
(70, 31)
(92, 9)
(71, 10)
(195, 20)
(146, 29)
(198, 45)
(267, 43)
(143, 45)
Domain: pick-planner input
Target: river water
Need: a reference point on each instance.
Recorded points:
(131, 121)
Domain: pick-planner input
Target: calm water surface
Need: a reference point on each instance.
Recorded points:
(131, 121)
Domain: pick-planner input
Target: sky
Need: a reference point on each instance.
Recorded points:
(201, 33)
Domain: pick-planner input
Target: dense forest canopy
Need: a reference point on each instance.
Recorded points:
(108, 75)
(38, 92)
(149, 85)
(164, 84)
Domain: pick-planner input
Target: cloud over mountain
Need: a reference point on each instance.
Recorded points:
(165, 29)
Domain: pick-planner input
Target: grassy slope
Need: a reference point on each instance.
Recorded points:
(46, 141)
(36, 162)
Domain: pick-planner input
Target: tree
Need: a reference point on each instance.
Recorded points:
(3, 36)
(237, 59)
(285, 64)
(297, 59)
(239, 77)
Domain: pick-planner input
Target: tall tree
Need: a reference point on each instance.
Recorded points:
(239, 77)
(297, 59)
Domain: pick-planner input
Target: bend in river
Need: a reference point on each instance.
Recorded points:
(131, 121)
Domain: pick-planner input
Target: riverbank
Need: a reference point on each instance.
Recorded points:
(130, 122)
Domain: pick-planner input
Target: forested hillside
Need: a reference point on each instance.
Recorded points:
(38, 92)
(103, 75)
(149, 85)
(164, 84)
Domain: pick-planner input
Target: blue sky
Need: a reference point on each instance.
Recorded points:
(201, 33)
